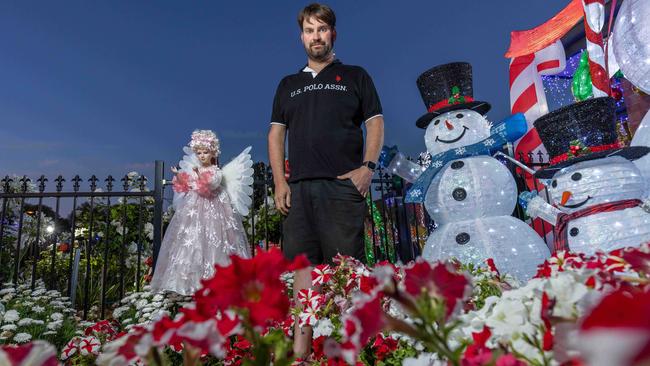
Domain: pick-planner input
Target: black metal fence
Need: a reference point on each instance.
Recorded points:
(108, 244)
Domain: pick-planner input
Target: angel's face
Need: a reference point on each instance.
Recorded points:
(205, 156)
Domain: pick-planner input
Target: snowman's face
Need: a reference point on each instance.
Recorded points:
(455, 129)
(591, 182)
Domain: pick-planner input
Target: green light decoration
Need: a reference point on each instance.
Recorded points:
(581, 87)
(383, 241)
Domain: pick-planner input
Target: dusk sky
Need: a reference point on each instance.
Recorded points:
(107, 87)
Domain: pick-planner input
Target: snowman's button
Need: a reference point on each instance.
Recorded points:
(457, 164)
(462, 238)
(574, 231)
(459, 194)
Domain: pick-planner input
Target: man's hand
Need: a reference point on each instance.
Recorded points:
(283, 197)
(360, 177)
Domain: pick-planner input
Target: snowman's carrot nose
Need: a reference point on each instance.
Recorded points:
(449, 125)
(565, 197)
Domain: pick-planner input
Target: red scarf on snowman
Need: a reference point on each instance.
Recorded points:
(561, 242)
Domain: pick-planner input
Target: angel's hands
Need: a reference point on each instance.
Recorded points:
(174, 170)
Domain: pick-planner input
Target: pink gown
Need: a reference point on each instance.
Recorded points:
(204, 231)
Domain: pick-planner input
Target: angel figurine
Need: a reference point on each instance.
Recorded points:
(206, 228)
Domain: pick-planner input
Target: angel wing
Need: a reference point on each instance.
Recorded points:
(238, 180)
(189, 161)
(187, 165)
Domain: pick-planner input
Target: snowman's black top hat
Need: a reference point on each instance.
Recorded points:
(447, 88)
(582, 131)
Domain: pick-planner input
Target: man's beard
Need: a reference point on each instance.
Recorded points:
(321, 54)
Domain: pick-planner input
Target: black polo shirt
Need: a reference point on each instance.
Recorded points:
(323, 115)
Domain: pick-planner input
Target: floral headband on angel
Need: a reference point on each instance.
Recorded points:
(205, 139)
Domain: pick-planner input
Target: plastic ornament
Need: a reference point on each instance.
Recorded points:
(592, 182)
(632, 42)
(581, 86)
(471, 200)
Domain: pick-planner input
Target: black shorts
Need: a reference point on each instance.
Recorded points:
(326, 217)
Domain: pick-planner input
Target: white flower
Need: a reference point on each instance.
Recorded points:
(157, 298)
(38, 309)
(49, 332)
(22, 337)
(567, 292)
(9, 327)
(55, 325)
(509, 317)
(141, 303)
(324, 327)
(11, 316)
(9, 290)
(56, 316)
(424, 359)
(25, 322)
(119, 311)
(38, 292)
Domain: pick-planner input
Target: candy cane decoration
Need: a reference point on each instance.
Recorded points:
(594, 21)
(527, 91)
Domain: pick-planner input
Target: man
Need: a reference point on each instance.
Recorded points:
(322, 107)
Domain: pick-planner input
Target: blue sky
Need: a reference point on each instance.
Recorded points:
(99, 87)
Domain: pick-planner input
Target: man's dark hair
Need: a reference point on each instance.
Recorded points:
(319, 11)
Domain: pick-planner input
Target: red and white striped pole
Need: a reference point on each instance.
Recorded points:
(594, 21)
(527, 91)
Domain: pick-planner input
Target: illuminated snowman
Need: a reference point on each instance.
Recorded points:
(471, 198)
(592, 181)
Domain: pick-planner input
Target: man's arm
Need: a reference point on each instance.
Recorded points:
(276, 139)
(362, 176)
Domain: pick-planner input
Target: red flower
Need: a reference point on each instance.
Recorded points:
(623, 309)
(493, 268)
(440, 280)
(365, 321)
(384, 346)
(252, 284)
(638, 260)
(477, 354)
(317, 347)
(547, 309)
(548, 340)
(63, 247)
(367, 284)
(149, 261)
(33, 353)
(509, 360)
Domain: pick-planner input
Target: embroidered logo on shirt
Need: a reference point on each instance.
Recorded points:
(338, 78)
(318, 87)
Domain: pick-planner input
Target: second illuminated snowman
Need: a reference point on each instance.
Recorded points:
(596, 188)
(471, 196)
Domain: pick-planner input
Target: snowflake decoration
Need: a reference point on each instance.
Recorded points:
(460, 150)
(489, 142)
(437, 164)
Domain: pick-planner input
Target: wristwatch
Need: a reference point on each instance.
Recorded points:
(370, 165)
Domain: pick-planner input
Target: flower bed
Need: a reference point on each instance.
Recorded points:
(577, 310)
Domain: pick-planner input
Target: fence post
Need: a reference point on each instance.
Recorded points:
(158, 209)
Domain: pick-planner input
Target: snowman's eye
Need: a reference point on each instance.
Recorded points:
(554, 183)
(459, 115)
(576, 176)
(436, 122)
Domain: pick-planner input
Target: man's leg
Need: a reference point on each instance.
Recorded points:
(301, 238)
(340, 212)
